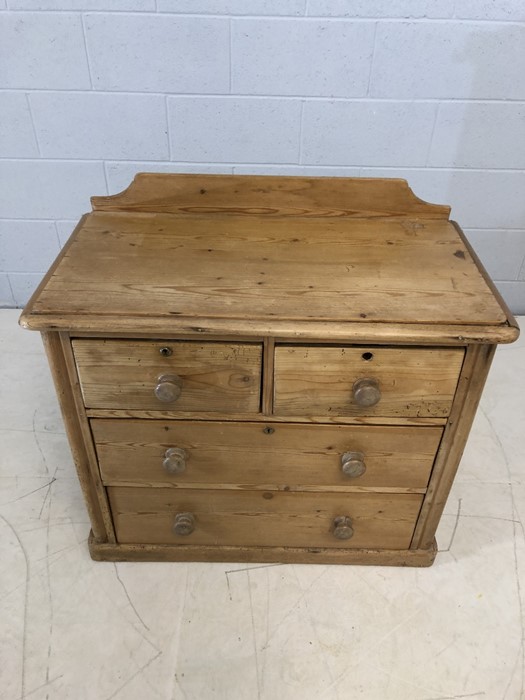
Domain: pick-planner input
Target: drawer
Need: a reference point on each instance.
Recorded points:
(361, 381)
(169, 375)
(257, 455)
(260, 518)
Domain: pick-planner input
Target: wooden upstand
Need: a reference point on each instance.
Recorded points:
(267, 368)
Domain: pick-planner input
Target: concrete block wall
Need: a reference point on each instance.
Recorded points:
(93, 91)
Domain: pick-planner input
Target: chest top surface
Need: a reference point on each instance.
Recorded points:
(331, 257)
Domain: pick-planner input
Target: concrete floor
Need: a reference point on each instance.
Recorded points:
(73, 628)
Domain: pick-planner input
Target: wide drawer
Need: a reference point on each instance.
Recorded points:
(257, 455)
(261, 518)
(169, 375)
(361, 381)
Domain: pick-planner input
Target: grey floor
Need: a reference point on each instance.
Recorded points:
(74, 628)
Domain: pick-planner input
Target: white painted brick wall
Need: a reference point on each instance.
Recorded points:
(298, 57)
(100, 125)
(367, 133)
(234, 129)
(93, 91)
(449, 60)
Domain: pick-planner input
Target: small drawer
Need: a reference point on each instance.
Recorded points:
(169, 375)
(257, 455)
(365, 381)
(260, 518)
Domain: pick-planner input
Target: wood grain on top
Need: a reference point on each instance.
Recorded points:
(265, 195)
(158, 265)
(266, 274)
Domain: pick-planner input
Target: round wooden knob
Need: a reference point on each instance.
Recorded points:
(169, 387)
(343, 529)
(184, 524)
(366, 392)
(353, 464)
(175, 460)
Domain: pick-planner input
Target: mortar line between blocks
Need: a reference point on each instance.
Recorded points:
(521, 272)
(301, 118)
(493, 228)
(372, 61)
(105, 176)
(230, 57)
(497, 281)
(32, 218)
(246, 96)
(57, 234)
(273, 164)
(168, 130)
(287, 18)
(88, 61)
(31, 117)
(431, 140)
(11, 289)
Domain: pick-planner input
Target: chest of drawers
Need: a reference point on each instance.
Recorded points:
(266, 368)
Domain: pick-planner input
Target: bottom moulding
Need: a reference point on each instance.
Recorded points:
(104, 551)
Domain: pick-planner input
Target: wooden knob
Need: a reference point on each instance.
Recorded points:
(169, 387)
(175, 460)
(343, 529)
(353, 464)
(366, 392)
(184, 524)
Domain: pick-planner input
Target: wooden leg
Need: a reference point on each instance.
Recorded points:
(474, 372)
(85, 463)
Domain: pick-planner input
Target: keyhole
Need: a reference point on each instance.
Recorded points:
(367, 356)
(166, 352)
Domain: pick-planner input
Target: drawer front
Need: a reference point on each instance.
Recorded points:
(247, 518)
(361, 381)
(258, 455)
(170, 375)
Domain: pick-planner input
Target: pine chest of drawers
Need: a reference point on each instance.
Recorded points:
(267, 369)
